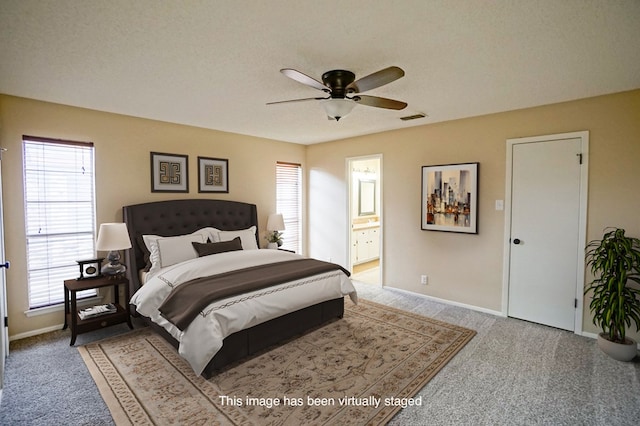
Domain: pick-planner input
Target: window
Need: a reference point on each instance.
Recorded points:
(289, 203)
(59, 215)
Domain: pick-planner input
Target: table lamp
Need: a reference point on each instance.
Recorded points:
(275, 224)
(113, 237)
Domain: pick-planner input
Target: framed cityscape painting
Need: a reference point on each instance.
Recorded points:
(213, 175)
(450, 198)
(169, 172)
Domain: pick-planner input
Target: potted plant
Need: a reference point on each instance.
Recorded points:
(615, 263)
(274, 238)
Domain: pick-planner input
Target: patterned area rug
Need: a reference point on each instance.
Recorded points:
(359, 370)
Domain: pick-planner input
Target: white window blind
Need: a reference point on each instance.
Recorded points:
(59, 215)
(289, 203)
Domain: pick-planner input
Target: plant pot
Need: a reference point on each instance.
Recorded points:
(272, 245)
(618, 351)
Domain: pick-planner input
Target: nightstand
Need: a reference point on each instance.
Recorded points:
(79, 326)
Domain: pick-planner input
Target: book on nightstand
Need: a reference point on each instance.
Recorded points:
(96, 311)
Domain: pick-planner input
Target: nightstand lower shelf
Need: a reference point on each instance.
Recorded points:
(97, 322)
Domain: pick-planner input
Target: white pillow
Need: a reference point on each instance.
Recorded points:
(212, 233)
(247, 237)
(174, 250)
(167, 251)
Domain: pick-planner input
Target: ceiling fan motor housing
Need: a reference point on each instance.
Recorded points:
(338, 80)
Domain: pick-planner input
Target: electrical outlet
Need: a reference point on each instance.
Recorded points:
(424, 279)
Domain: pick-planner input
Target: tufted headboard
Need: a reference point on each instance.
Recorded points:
(179, 217)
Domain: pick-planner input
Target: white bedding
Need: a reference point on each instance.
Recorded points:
(202, 339)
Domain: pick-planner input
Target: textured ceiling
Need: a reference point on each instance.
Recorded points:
(215, 64)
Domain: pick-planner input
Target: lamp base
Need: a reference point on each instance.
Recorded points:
(113, 267)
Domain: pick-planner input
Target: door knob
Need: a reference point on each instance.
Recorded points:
(516, 241)
(6, 264)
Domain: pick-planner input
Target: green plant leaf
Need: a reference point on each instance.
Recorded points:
(614, 262)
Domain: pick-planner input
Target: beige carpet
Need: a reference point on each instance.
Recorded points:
(355, 371)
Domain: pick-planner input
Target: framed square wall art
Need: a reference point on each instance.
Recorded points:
(169, 172)
(450, 198)
(213, 175)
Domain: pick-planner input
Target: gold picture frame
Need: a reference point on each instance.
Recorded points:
(169, 172)
(213, 175)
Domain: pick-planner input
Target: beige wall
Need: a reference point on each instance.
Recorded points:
(461, 267)
(122, 146)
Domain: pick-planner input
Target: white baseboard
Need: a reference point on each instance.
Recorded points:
(35, 332)
(450, 302)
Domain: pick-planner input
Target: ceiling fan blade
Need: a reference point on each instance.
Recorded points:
(375, 101)
(376, 79)
(296, 100)
(304, 79)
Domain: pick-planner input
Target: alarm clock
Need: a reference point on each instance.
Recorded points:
(90, 268)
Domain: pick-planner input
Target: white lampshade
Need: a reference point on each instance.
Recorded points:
(275, 222)
(113, 236)
(338, 108)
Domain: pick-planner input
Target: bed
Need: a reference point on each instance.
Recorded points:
(269, 323)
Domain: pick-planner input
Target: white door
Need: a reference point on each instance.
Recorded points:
(546, 240)
(4, 333)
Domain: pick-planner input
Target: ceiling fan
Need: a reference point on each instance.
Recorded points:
(344, 90)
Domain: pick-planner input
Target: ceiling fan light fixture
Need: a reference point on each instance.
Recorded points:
(338, 108)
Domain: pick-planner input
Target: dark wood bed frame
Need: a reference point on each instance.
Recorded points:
(178, 217)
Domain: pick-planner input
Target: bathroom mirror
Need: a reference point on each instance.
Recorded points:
(366, 197)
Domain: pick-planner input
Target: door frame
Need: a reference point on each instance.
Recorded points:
(4, 330)
(348, 164)
(582, 225)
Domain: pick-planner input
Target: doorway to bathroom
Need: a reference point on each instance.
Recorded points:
(365, 218)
